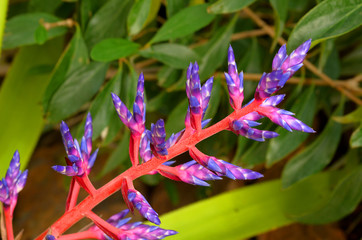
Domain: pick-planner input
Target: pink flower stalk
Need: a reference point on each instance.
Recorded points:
(156, 152)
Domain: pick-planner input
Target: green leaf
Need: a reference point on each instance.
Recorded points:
(142, 12)
(175, 121)
(102, 108)
(344, 199)
(87, 10)
(77, 89)
(174, 6)
(329, 19)
(228, 6)
(185, 22)
(355, 116)
(304, 107)
(167, 76)
(119, 156)
(356, 138)
(280, 8)
(74, 56)
(171, 54)
(217, 50)
(232, 215)
(316, 156)
(41, 34)
(44, 5)
(254, 155)
(21, 118)
(350, 64)
(112, 49)
(108, 22)
(20, 30)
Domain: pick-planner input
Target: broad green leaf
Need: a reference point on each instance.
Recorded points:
(217, 50)
(350, 64)
(108, 22)
(3, 11)
(171, 54)
(44, 5)
(77, 89)
(87, 10)
(172, 191)
(41, 34)
(237, 214)
(102, 108)
(160, 102)
(74, 56)
(20, 30)
(119, 155)
(21, 118)
(228, 6)
(304, 107)
(174, 6)
(356, 138)
(329, 19)
(142, 12)
(112, 49)
(280, 8)
(167, 76)
(185, 22)
(355, 116)
(255, 154)
(176, 120)
(316, 156)
(344, 199)
(151, 180)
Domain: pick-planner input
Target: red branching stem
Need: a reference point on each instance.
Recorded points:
(8, 215)
(86, 184)
(134, 145)
(74, 215)
(72, 195)
(79, 235)
(105, 226)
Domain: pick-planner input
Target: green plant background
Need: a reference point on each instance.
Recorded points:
(63, 71)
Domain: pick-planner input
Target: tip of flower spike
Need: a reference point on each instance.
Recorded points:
(231, 58)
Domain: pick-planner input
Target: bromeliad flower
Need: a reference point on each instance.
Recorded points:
(140, 203)
(284, 67)
(79, 161)
(198, 96)
(234, 82)
(136, 121)
(12, 184)
(157, 137)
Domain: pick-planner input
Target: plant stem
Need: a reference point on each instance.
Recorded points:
(77, 213)
(8, 215)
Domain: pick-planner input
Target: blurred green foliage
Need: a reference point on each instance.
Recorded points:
(73, 54)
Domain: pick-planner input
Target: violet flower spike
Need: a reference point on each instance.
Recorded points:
(79, 161)
(222, 168)
(244, 127)
(136, 121)
(284, 67)
(12, 184)
(234, 82)
(157, 136)
(198, 97)
(141, 204)
(131, 231)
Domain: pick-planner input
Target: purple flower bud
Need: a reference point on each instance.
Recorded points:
(141, 204)
(136, 121)
(145, 149)
(138, 230)
(157, 136)
(243, 127)
(50, 237)
(13, 183)
(80, 160)
(234, 82)
(222, 168)
(194, 173)
(284, 119)
(284, 67)
(198, 97)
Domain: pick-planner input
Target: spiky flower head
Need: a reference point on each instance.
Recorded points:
(79, 160)
(13, 183)
(136, 121)
(140, 203)
(198, 96)
(157, 137)
(284, 67)
(244, 127)
(222, 168)
(234, 82)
